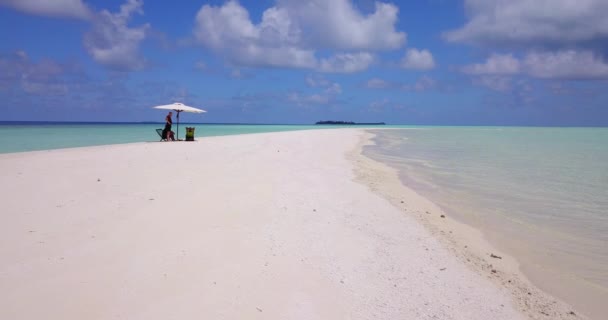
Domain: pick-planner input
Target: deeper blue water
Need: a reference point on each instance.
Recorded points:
(540, 194)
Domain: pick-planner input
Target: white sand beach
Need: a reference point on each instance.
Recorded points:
(290, 225)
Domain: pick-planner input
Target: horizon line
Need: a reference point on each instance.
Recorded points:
(25, 122)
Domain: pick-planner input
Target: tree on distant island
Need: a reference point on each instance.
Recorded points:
(334, 122)
(349, 123)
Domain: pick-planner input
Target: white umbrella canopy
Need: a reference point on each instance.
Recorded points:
(179, 107)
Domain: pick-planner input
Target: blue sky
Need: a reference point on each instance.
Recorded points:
(438, 62)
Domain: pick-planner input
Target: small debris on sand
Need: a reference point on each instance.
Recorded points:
(443, 216)
(495, 256)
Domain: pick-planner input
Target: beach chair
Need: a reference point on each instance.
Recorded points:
(160, 134)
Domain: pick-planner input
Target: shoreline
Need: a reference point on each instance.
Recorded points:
(64, 136)
(271, 225)
(466, 242)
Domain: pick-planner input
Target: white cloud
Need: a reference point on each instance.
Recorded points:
(377, 83)
(319, 81)
(55, 8)
(229, 31)
(418, 60)
(291, 32)
(495, 64)
(564, 64)
(112, 42)
(346, 62)
(44, 77)
(330, 91)
(567, 64)
(535, 22)
(337, 24)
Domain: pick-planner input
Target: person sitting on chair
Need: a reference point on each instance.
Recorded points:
(168, 123)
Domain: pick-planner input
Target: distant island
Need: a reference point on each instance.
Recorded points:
(351, 123)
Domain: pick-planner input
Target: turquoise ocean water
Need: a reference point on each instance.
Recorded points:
(540, 194)
(15, 137)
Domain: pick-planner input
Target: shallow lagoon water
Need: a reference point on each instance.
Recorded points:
(19, 137)
(540, 194)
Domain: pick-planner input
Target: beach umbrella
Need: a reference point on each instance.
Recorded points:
(179, 107)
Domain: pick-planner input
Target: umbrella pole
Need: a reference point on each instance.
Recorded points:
(178, 124)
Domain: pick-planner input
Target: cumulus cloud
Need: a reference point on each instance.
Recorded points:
(327, 92)
(44, 77)
(418, 60)
(532, 22)
(57, 8)
(346, 62)
(495, 64)
(291, 32)
(322, 82)
(229, 31)
(112, 43)
(564, 64)
(567, 64)
(337, 24)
